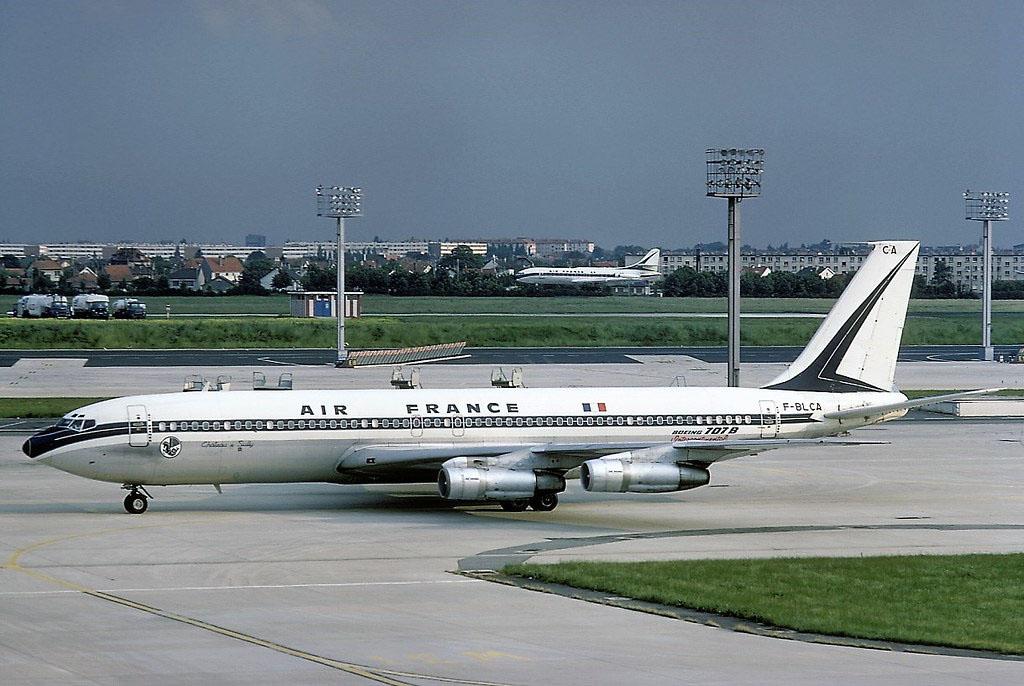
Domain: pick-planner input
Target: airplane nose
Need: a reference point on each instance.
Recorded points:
(41, 442)
(28, 448)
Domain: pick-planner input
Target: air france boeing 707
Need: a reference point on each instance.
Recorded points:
(512, 446)
(645, 269)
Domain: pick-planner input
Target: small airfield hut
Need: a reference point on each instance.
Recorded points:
(324, 304)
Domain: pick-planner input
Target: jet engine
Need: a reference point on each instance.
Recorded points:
(471, 483)
(616, 475)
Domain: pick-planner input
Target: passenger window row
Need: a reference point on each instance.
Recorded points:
(454, 422)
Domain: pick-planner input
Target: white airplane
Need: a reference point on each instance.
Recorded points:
(643, 270)
(513, 446)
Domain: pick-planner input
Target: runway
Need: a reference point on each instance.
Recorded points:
(515, 356)
(315, 583)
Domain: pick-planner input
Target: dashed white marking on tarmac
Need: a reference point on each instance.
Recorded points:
(247, 587)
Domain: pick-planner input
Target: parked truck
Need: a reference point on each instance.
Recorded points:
(36, 305)
(60, 308)
(128, 308)
(90, 306)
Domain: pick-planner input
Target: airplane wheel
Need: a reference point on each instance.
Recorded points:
(514, 505)
(135, 503)
(544, 502)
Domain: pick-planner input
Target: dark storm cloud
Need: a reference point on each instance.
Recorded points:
(209, 120)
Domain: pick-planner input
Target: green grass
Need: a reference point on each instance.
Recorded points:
(970, 601)
(41, 407)
(385, 304)
(390, 332)
(1011, 392)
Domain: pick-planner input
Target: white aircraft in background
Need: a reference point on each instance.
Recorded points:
(643, 270)
(513, 446)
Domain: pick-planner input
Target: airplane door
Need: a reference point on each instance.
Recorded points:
(140, 428)
(417, 426)
(458, 426)
(771, 420)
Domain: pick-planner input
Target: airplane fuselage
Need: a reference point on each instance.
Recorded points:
(584, 275)
(368, 436)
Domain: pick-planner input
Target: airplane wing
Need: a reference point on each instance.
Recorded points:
(561, 456)
(707, 452)
(874, 410)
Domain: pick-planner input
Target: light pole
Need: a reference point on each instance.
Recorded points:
(734, 173)
(340, 202)
(986, 207)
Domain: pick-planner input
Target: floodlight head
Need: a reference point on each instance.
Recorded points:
(986, 206)
(734, 172)
(339, 201)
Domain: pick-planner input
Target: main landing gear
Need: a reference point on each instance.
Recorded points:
(541, 502)
(136, 501)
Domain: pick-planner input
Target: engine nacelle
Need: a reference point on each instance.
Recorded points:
(472, 483)
(610, 475)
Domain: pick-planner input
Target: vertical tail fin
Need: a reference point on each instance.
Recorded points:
(648, 261)
(855, 348)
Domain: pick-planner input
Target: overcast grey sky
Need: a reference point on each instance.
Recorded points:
(208, 120)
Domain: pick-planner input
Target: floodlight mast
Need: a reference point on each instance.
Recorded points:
(986, 207)
(340, 202)
(734, 173)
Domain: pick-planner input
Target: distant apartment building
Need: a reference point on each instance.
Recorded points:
(105, 251)
(255, 240)
(966, 268)
(392, 250)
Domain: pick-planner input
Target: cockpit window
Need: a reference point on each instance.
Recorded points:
(76, 423)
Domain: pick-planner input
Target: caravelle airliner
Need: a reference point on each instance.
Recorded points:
(645, 269)
(512, 446)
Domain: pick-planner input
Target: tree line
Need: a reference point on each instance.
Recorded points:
(459, 274)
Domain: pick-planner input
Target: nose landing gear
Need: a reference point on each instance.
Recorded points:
(136, 501)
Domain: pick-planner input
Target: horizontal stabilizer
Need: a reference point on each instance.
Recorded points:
(874, 410)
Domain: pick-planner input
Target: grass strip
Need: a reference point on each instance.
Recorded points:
(967, 601)
(396, 332)
(28, 408)
(374, 304)
(1012, 392)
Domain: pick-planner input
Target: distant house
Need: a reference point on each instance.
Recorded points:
(826, 273)
(14, 277)
(84, 280)
(415, 266)
(133, 257)
(218, 284)
(760, 270)
(119, 273)
(268, 280)
(228, 268)
(494, 268)
(189, 278)
(51, 269)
